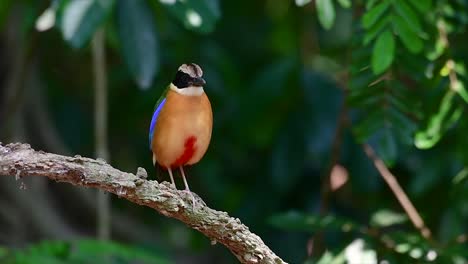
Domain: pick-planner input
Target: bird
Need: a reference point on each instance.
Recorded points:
(182, 122)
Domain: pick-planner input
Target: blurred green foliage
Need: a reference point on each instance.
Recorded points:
(281, 75)
(81, 251)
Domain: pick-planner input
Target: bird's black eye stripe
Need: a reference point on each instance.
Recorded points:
(182, 80)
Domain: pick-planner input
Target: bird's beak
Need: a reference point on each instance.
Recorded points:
(199, 81)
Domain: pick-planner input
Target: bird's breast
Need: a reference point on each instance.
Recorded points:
(183, 130)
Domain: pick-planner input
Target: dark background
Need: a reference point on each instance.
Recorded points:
(295, 91)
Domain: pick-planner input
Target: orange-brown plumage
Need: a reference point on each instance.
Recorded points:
(183, 130)
(180, 129)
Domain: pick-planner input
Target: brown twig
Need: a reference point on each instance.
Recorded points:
(21, 160)
(454, 83)
(399, 193)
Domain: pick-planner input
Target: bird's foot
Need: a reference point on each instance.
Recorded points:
(194, 204)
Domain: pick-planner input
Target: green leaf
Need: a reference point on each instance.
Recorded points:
(197, 15)
(398, 103)
(459, 88)
(47, 19)
(365, 94)
(460, 68)
(137, 34)
(383, 52)
(384, 218)
(370, 4)
(423, 140)
(326, 13)
(447, 115)
(302, 2)
(406, 127)
(361, 81)
(369, 125)
(371, 16)
(376, 29)
(80, 19)
(387, 146)
(423, 6)
(412, 19)
(345, 3)
(409, 38)
(439, 48)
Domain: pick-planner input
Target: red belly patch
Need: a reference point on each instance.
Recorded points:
(189, 150)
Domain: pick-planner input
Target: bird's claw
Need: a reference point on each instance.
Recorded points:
(193, 198)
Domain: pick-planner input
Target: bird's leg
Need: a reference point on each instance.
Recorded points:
(183, 177)
(187, 189)
(172, 177)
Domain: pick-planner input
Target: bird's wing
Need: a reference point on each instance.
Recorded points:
(157, 109)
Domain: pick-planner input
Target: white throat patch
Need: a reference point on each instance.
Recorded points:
(189, 91)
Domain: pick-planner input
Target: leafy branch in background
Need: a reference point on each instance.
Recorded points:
(134, 23)
(80, 251)
(449, 73)
(379, 238)
(199, 16)
(137, 35)
(326, 10)
(408, 47)
(401, 49)
(391, 38)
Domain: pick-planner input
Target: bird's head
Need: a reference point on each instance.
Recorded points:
(189, 75)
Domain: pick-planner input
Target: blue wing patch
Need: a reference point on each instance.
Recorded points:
(154, 119)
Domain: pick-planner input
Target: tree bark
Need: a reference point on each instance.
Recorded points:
(20, 160)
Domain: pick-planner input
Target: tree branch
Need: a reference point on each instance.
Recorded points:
(395, 187)
(21, 160)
